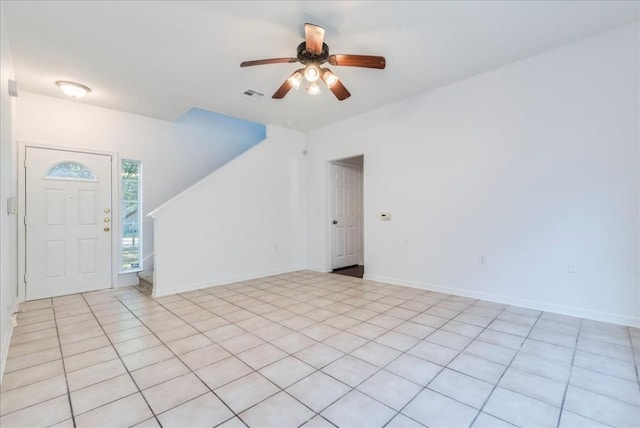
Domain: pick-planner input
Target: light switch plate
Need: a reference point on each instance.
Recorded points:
(12, 205)
(13, 88)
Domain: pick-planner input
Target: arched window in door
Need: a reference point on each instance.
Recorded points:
(69, 170)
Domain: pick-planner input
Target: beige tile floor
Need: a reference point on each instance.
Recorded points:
(314, 350)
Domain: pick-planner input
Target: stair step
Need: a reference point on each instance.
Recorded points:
(146, 276)
(145, 285)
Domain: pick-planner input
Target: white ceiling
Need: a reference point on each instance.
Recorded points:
(161, 58)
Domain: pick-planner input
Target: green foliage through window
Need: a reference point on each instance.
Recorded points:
(131, 246)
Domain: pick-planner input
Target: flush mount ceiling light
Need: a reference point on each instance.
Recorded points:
(75, 90)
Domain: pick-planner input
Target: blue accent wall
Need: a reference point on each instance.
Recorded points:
(225, 128)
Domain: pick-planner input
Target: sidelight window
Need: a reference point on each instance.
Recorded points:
(131, 216)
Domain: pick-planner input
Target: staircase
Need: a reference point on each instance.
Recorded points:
(145, 285)
(192, 241)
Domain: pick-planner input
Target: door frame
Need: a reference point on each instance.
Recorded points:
(22, 196)
(328, 212)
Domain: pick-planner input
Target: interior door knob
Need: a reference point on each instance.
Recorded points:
(335, 221)
(106, 229)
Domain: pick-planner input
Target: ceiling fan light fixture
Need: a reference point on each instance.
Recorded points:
(312, 73)
(312, 53)
(329, 78)
(295, 79)
(313, 89)
(73, 89)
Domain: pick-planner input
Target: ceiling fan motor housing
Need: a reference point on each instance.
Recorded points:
(306, 57)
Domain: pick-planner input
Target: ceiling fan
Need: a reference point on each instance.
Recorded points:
(312, 53)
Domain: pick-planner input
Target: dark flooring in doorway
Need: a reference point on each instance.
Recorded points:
(355, 270)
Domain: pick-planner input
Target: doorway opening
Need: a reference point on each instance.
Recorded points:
(355, 271)
(346, 216)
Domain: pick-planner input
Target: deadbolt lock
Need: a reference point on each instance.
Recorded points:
(106, 220)
(107, 210)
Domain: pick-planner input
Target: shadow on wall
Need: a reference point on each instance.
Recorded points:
(236, 129)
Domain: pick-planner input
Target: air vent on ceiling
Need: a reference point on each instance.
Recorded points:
(253, 94)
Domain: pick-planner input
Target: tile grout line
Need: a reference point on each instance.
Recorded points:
(123, 364)
(181, 361)
(258, 292)
(48, 378)
(566, 386)
(320, 322)
(288, 354)
(636, 358)
(524, 340)
(214, 342)
(364, 321)
(64, 366)
(445, 367)
(401, 352)
(388, 330)
(406, 352)
(316, 369)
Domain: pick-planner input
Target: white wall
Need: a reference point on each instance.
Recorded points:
(173, 155)
(533, 165)
(8, 188)
(245, 220)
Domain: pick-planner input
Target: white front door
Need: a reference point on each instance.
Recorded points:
(345, 210)
(68, 222)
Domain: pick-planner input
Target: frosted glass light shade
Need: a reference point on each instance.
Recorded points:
(75, 90)
(311, 73)
(295, 79)
(313, 89)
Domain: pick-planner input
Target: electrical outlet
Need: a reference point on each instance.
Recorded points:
(572, 267)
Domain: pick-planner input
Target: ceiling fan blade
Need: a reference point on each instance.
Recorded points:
(367, 61)
(268, 61)
(314, 37)
(282, 90)
(340, 91)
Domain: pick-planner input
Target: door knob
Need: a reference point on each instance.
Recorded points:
(106, 229)
(335, 221)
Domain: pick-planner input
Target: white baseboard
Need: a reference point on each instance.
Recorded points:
(6, 340)
(531, 304)
(216, 282)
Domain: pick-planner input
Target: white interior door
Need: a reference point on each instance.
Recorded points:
(68, 222)
(345, 210)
